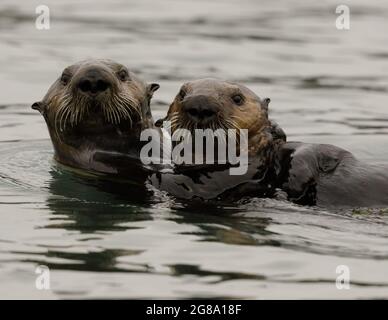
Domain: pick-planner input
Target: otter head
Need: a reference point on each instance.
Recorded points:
(96, 105)
(215, 104)
(96, 97)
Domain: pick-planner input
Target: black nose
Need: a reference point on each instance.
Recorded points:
(200, 108)
(93, 82)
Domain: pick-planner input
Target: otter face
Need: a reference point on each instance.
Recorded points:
(215, 104)
(96, 96)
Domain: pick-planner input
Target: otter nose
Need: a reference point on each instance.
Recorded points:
(93, 82)
(200, 108)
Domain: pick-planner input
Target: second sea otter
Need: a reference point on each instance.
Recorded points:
(211, 104)
(309, 174)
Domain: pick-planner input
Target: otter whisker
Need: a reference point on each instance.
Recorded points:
(237, 118)
(116, 117)
(123, 108)
(65, 114)
(105, 113)
(173, 115)
(174, 118)
(120, 114)
(124, 113)
(64, 110)
(131, 105)
(110, 116)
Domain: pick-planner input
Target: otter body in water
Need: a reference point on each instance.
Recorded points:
(328, 176)
(309, 174)
(211, 104)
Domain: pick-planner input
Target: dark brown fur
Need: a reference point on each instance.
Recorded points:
(85, 127)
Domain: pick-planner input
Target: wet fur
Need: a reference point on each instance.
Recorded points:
(252, 115)
(116, 117)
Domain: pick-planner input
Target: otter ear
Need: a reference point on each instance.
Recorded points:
(40, 106)
(159, 122)
(152, 88)
(265, 103)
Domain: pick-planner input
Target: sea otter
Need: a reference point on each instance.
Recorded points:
(214, 104)
(309, 174)
(95, 112)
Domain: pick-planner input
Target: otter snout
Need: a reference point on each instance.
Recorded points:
(93, 81)
(201, 109)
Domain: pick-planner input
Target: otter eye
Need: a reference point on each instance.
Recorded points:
(182, 94)
(238, 99)
(123, 75)
(65, 78)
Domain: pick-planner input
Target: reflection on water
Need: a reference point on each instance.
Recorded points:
(101, 239)
(106, 239)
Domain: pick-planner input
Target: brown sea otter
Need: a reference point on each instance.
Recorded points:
(221, 105)
(95, 112)
(309, 174)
